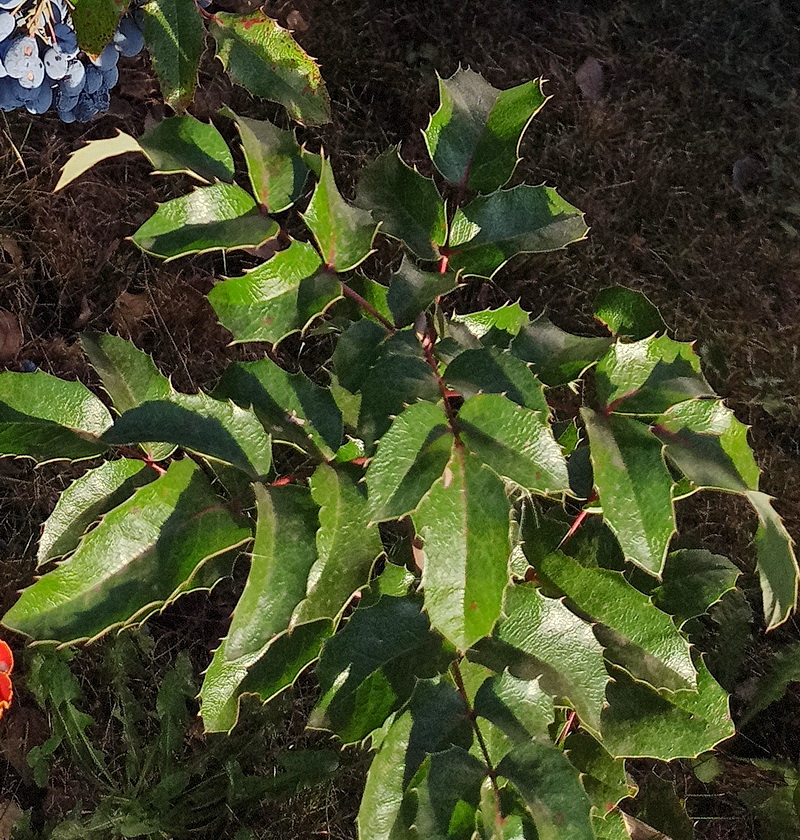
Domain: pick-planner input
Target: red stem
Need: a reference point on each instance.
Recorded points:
(366, 305)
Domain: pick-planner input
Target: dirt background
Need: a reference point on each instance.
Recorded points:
(674, 126)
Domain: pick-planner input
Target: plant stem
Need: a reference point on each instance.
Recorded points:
(368, 307)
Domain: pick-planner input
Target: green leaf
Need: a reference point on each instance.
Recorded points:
(649, 376)
(607, 597)
(408, 205)
(634, 487)
(514, 442)
(603, 777)
(85, 501)
(781, 670)
(555, 356)
(490, 230)
(143, 553)
(694, 580)
(129, 376)
(184, 144)
(474, 136)
(347, 543)
(492, 371)
(212, 428)
(277, 298)
(708, 445)
(641, 723)
(265, 58)
(343, 233)
(662, 809)
(294, 409)
(509, 318)
(222, 217)
(274, 160)
(520, 708)
(410, 457)
(91, 153)
(541, 638)
(95, 22)
(464, 523)
(369, 669)
(356, 351)
(627, 313)
(776, 562)
(412, 291)
(551, 789)
(49, 419)
(174, 33)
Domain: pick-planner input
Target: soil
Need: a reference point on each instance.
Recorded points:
(673, 126)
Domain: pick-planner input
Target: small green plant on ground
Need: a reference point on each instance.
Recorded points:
(465, 520)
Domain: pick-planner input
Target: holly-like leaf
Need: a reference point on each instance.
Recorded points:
(781, 669)
(694, 580)
(344, 233)
(369, 669)
(215, 429)
(49, 419)
(642, 723)
(514, 442)
(649, 376)
(495, 326)
(634, 487)
(275, 164)
(91, 153)
(627, 313)
(520, 708)
(95, 22)
(492, 371)
(294, 409)
(551, 789)
(174, 33)
(263, 57)
(85, 501)
(607, 597)
(490, 230)
(474, 136)
(185, 144)
(410, 457)
(143, 553)
(407, 204)
(356, 351)
(412, 291)
(540, 637)
(555, 356)
(222, 217)
(463, 522)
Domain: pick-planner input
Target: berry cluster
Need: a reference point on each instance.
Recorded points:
(41, 66)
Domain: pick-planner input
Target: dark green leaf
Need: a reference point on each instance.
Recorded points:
(222, 217)
(520, 708)
(474, 136)
(277, 298)
(487, 324)
(412, 291)
(627, 313)
(95, 22)
(264, 58)
(781, 670)
(407, 204)
(356, 351)
(603, 777)
(490, 230)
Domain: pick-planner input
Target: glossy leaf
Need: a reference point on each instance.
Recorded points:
(265, 58)
(514, 442)
(627, 313)
(276, 298)
(463, 522)
(356, 351)
(143, 553)
(486, 233)
(185, 144)
(222, 217)
(369, 669)
(86, 500)
(294, 409)
(407, 204)
(412, 291)
(215, 429)
(410, 457)
(474, 136)
(275, 163)
(607, 597)
(49, 419)
(509, 318)
(555, 356)
(344, 233)
(634, 487)
(520, 708)
(168, 23)
(95, 22)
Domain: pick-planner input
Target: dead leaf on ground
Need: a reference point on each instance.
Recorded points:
(23, 728)
(590, 78)
(129, 312)
(10, 336)
(296, 22)
(639, 830)
(10, 813)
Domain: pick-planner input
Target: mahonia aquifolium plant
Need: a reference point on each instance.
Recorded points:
(485, 586)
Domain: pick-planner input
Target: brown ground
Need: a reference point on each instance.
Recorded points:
(647, 149)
